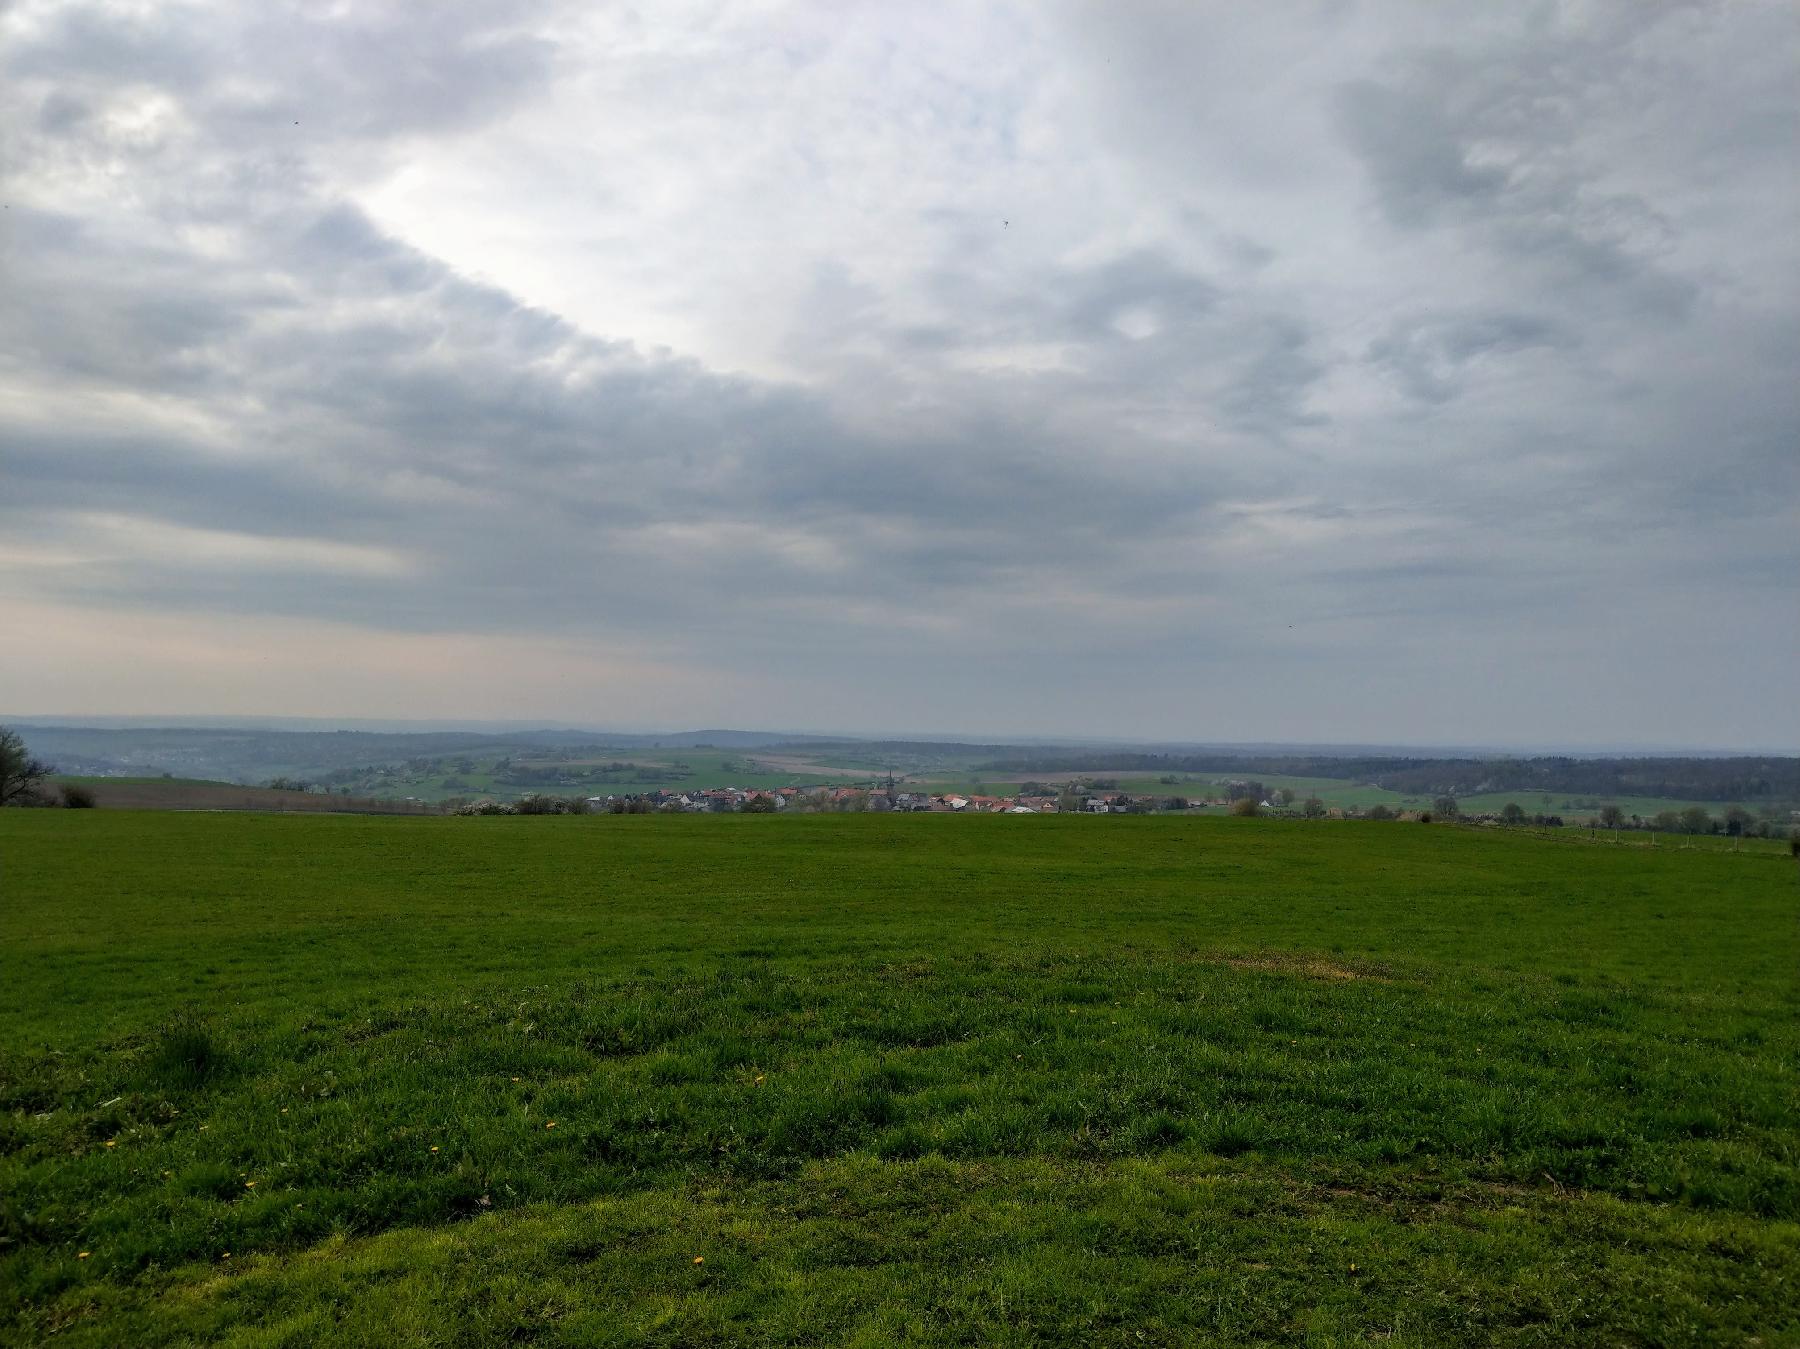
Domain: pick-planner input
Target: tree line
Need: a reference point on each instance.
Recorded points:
(22, 776)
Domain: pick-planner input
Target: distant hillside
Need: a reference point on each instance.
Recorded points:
(244, 754)
(438, 764)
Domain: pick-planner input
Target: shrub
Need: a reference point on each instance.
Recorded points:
(77, 797)
(535, 804)
(1378, 813)
(1245, 806)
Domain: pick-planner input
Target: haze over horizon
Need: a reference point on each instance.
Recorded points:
(1065, 738)
(1379, 373)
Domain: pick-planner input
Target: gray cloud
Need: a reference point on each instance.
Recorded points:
(1418, 163)
(1201, 339)
(1430, 356)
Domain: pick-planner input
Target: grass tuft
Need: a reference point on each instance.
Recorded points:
(187, 1054)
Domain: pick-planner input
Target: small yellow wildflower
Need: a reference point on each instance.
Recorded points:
(551, 1125)
(699, 1259)
(249, 1185)
(434, 1149)
(81, 1255)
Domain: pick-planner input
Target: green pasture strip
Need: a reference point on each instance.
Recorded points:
(1590, 835)
(1333, 791)
(1563, 803)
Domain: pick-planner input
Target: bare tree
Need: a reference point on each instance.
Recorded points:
(20, 773)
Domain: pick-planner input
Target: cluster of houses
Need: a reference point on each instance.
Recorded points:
(863, 798)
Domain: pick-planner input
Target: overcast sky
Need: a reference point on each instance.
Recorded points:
(1323, 371)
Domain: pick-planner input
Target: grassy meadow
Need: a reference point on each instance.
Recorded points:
(285, 1080)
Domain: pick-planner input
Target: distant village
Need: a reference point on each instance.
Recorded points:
(1089, 798)
(1076, 798)
(863, 798)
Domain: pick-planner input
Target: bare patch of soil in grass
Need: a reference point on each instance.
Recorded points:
(1308, 967)
(798, 764)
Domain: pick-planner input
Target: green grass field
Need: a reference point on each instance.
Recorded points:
(277, 1080)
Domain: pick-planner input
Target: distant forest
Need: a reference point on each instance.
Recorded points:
(1731, 779)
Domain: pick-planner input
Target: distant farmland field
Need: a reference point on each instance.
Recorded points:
(194, 794)
(891, 1080)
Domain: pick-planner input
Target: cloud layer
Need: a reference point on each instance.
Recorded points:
(1355, 372)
